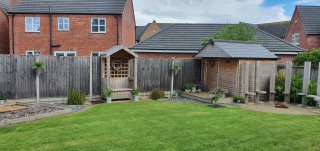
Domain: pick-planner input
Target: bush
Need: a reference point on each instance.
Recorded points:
(215, 99)
(313, 56)
(107, 92)
(238, 98)
(188, 86)
(157, 94)
(135, 92)
(76, 98)
(296, 87)
(280, 82)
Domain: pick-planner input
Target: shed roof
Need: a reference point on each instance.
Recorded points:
(70, 6)
(310, 17)
(235, 49)
(116, 49)
(187, 38)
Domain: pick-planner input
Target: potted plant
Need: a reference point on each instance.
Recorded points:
(238, 99)
(175, 68)
(135, 92)
(215, 99)
(38, 67)
(188, 87)
(108, 93)
(222, 92)
(2, 100)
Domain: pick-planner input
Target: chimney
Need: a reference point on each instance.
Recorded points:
(13, 3)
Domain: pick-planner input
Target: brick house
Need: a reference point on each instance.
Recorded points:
(182, 40)
(304, 29)
(4, 27)
(70, 27)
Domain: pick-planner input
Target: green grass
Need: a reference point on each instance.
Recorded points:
(165, 126)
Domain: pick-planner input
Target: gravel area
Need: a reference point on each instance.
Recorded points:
(30, 111)
(184, 100)
(73, 108)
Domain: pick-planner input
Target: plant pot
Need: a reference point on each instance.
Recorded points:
(187, 90)
(109, 99)
(199, 90)
(136, 98)
(194, 90)
(2, 101)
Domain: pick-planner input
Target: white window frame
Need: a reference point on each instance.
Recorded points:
(32, 24)
(98, 52)
(63, 23)
(105, 25)
(33, 52)
(65, 53)
(295, 39)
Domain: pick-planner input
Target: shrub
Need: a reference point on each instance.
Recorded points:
(157, 94)
(2, 98)
(296, 87)
(215, 99)
(38, 65)
(280, 84)
(135, 91)
(188, 86)
(107, 92)
(76, 98)
(238, 98)
(313, 56)
(312, 91)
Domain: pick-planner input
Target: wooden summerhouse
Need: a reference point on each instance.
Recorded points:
(119, 71)
(243, 68)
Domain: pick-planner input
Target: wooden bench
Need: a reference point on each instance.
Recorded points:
(124, 93)
(316, 97)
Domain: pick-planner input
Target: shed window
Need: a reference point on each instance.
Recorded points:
(296, 39)
(63, 23)
(98, 25)
(32, 24)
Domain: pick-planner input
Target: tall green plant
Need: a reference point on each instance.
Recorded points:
(280, 83)
(38, 65)
(313, 56)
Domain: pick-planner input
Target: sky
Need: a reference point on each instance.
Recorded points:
(216, 11)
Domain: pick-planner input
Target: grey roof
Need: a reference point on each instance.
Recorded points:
(70, 6)
(310, 17)
(187, 38)
(278, 29)
(235, 49)
(117, 48)
(4, 4)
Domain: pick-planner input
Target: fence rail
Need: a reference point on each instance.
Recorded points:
(298, 70)
(17, 79)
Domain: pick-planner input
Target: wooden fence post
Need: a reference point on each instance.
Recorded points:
(37, 83)
(288, 81)
(91, 78)
(172, 78)
(273, 81)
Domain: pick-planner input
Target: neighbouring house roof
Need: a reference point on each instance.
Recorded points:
(70, 6)
(278, 29)
(310, 17)
(140, 30)
(187, 38)
(235, 49)
(4, 4)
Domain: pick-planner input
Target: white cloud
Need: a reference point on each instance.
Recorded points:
(299, 2)
(207, 11)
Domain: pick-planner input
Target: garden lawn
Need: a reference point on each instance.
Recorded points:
(165, 126)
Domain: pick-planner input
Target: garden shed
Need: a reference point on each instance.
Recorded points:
(119, 71)
(240, 67)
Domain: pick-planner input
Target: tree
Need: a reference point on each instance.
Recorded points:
(313, 56)
(239, 32)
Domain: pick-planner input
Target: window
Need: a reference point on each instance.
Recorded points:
(295, 39)
(65, 53)
(33, 53)
(98, 25)
(63, 23)
(96, 54)
(32, 24)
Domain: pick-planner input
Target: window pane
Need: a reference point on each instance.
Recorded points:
(94, 28)
(102, 29)
(102, 22)
(28, 21)
(60, 26)
(66, 27)
(30, 53)
(29, 28)
(60, 20)
(94, 21)
(59, 54)
(36, 21)
(37, 53)
(71, 54)
(95, 54)
(36, 28)
(66, 20)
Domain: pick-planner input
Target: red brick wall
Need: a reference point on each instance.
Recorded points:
(166, 55)
(79, 36)
(284, 58)
(4, 33)
(306, 41)
(128, 25)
